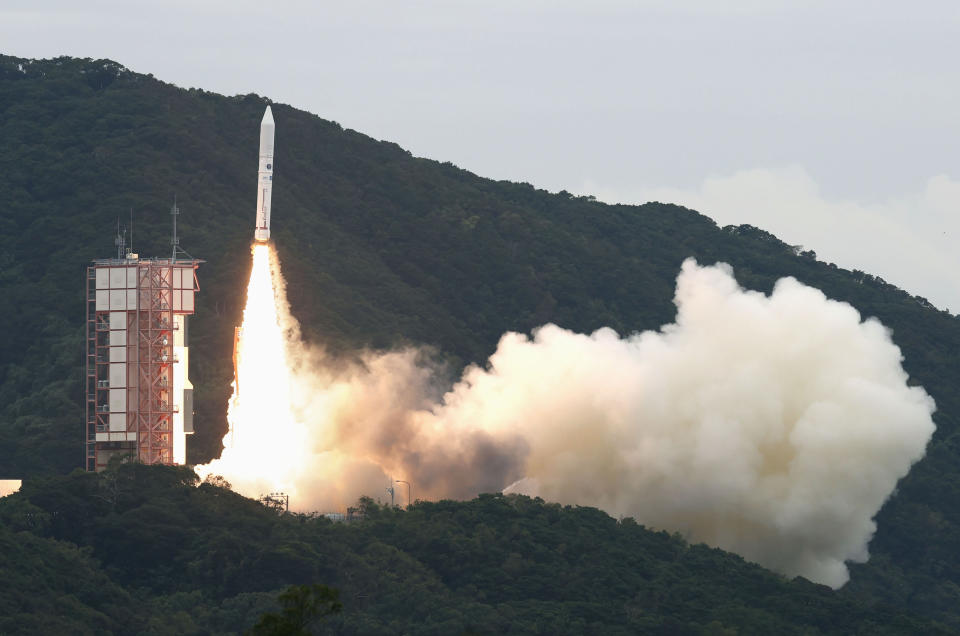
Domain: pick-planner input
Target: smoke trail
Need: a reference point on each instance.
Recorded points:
(381, 409)
(774, 427)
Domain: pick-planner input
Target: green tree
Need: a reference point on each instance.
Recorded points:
(303, 605)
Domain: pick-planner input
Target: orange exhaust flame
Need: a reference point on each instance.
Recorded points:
(264, 439)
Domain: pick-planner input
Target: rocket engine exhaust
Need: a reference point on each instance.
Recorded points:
(264, 178)
(774, 426)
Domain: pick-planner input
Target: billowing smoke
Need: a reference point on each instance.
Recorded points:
(384, 409)
(772, 426)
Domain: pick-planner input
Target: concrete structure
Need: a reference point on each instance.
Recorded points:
(139, 400)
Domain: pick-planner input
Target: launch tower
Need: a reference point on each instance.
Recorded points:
(139, 400)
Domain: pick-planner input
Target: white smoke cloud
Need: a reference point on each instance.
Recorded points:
(9, 486)
(771, 426)
(774, 427)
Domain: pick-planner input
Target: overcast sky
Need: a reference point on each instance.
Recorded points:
(834, 125)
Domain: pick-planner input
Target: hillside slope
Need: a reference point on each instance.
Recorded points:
(379, 248)
(202, 559)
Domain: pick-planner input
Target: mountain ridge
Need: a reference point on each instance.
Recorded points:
(380, 249)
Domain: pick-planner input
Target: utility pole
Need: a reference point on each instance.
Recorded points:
(400, 481)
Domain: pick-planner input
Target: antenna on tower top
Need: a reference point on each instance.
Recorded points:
(174, 239)
(120, 240)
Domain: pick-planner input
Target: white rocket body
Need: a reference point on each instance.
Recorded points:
(265, 178)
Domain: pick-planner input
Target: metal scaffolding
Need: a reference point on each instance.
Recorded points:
(155, 336)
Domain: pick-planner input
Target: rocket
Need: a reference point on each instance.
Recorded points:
(264, 178)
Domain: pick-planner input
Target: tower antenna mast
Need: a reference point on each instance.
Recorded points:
(174, 239)
(120, 241)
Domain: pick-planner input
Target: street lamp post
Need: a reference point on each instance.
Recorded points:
(400, 481)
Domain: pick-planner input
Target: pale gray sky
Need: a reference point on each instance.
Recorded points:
(832, 124)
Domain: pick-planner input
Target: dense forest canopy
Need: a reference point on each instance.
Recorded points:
(379, 249)
(201, 560)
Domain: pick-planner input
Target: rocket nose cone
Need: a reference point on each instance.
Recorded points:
(267, 116)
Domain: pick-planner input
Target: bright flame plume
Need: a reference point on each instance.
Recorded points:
(264, 438)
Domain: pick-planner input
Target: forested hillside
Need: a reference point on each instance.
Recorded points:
(166, 557)
(380, 248)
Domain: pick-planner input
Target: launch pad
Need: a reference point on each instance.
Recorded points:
(139, 400)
